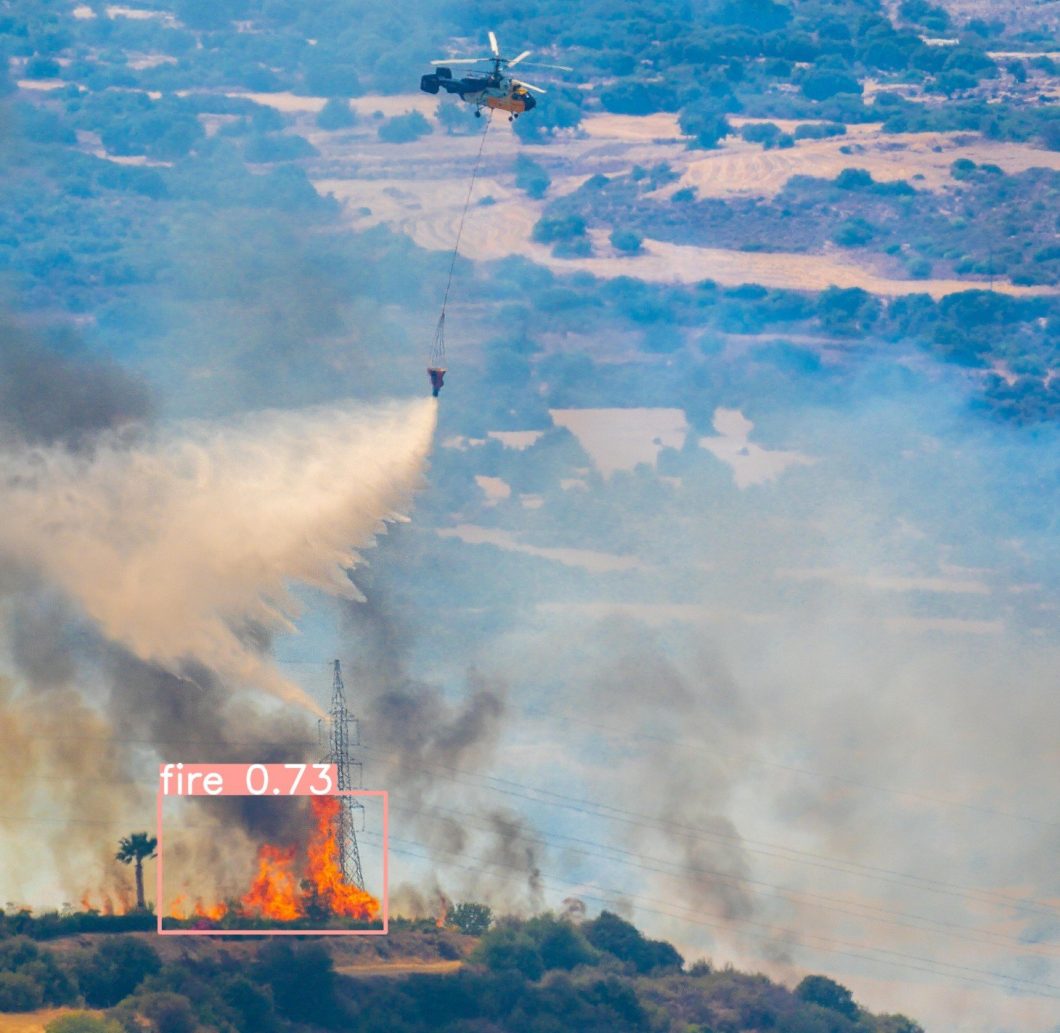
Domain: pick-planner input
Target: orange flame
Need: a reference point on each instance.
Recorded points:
(325, 871)
(443, 912)
(274, 892)
(215, 912)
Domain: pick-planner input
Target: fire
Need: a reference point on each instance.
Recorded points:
(325, 873)
(276, 891)
(214, 913)
(443, 910)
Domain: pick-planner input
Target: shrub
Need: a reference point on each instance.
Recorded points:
(302, 980)
(705, 124)
(615, 936)
(531, 177)
(82, 1022)
(42, 68)
(854, 179)
(278, 147)
(470, 918)
(336, 114)
(114, 970)
(628, 241)
(854, 233)
(827, 993)
(819, 131)
(252, 1005)
(765, 133)
(509, 948)
(404, 128)
(19, 992)
(552, 229)
(825, 83)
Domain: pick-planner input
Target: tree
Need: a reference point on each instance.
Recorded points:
(404, 128)
(470, 918)
(628, 241)
(705, 124)
(823, 83)
(612, 934)
(336, 114)
(531, 177)
(827, 993)
(135, 849)
(19, 992)
(115, 969)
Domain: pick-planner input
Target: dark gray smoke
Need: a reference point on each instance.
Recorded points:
(51, 389)
(429, 751)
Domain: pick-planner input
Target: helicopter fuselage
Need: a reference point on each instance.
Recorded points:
(484, 90)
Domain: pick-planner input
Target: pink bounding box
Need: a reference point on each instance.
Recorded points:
(262, 780)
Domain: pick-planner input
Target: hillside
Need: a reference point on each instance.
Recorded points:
(523, 976)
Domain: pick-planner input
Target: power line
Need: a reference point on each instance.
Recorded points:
(746, 758)
(687, 872)
(593, 808)
(994, 979)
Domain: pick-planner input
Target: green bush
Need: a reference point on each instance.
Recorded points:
(302, 981)
(274, 147)
(615, 936)
(854, 233)
(552, 229)
(82, 1022)
(471, 918)
(827, 993)
(531, 177)
(628, 241)
(19, 992)
(705, 124)
(825, 83)
(336, 114)
(404, 128)
(114, 970)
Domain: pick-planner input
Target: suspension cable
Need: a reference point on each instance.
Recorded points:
(438, 348)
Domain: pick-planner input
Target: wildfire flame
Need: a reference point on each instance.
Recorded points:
(276, 891)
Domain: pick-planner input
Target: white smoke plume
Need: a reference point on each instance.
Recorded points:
(175, 543)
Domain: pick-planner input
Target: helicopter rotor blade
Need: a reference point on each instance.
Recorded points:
(538, 64)
(528, 86)
(461, 60)
(493, 45)
(515, 60)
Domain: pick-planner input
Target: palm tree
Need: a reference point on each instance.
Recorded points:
(136, 848)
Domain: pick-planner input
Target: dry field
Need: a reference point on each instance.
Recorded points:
(419, 189)
(33, 1021)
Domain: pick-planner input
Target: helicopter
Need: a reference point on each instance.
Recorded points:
(495, 89)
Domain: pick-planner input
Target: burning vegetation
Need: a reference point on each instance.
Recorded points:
(278, 894)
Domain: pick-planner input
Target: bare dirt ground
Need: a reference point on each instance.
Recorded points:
(33, 1021)
(419, 189)
(400, 968)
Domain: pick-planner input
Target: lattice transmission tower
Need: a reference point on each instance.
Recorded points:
(340, 730)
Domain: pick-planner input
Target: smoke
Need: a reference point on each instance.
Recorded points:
(53, 391)
(143, 575)
(430, 747)
(181, 547)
